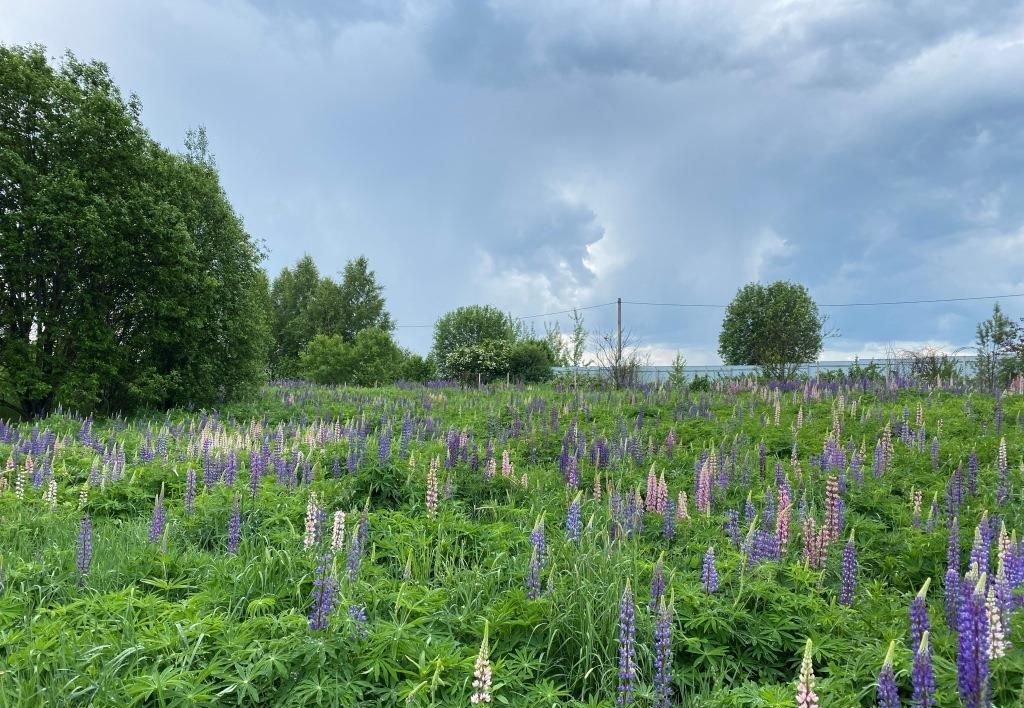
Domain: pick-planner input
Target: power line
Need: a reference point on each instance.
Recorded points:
(880, 303)
(843, 304)
(528, 317)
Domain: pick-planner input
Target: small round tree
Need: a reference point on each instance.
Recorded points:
(472, 336)
(776, 327)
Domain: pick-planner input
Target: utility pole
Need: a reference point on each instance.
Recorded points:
(618, 350)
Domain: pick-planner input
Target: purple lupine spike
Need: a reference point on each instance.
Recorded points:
(668, 520)
(235, 525)
(1002, 465)
(732, 526)
(357, 613)
(355, 556)
(919, 622)
(158, 522)
(572, 521)
(708, 572)
(951, 586)
(663, 656)
(980, 550)
(972, 645)
(627, 649)
(922, 677)
(533, 576)
(190, 491)
(84, 556)
(325, 593)
(887, 694)
(657, 583)
(537, 538)
(849, 574)
(363, 529)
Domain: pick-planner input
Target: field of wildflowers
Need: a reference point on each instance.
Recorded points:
(819, 544)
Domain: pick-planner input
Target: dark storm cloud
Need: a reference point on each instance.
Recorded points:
(540, 155)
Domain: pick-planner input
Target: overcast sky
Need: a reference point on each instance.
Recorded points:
(537, 155)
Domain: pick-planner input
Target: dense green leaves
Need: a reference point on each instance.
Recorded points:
(127, 279)
(306, 306)
(776, 327)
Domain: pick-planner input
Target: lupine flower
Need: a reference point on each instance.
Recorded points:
(708, 572)
(657, 583)
(749, 512)
(682, 512)
(703, 492)
(782, 519)
(972, 646)
(933, 514)
(805, 695)
(652, 490)
(190, 491)
(922, 676)
(916, 498)
(84, 559)
(996, 638)
(431, 499)
(50, 495)
(482, 674)
(849, 575)
(980, 548)
(355, 556)
(338, 531)
(663, 656)
(357, 613)
(325, 593)
(83, 496)
(668, 520)
(312, 516)
(951, 586)
(919, 623)
(572, 521)
(887, 694)
(1004, 478)
(833, 512)
(814, 544)
(597, 485)
(158, 522)
(627, 649)
(533, 576)
(235, 525)
(537, 537)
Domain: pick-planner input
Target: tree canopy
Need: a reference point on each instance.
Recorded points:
(776, 327)
(306, 305)
(127, 279)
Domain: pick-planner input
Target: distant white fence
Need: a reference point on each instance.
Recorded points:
(657, 374)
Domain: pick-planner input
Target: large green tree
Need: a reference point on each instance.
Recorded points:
(126, 279)
(776, 327)
(470, 336)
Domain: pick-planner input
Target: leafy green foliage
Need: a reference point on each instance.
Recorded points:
(128, 280)
(305, 305)
(473, 336)
(530, 361)
(776, 327)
